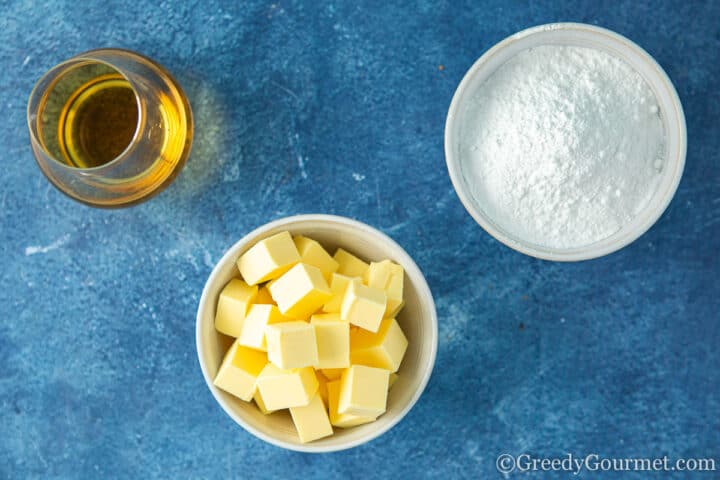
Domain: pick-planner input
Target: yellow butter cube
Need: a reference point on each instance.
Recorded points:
(384, 349)
(268, 259)
(363, 306)
(349, 264)
(253, 329)
(311, 421)
(394, 291)
(286, 388)
(333, 340)
(387, 276)
(392, 379)
(239, 370)
(261, 403)
(291, 344)
(300, 292)
(328, 317)
(378, 274)
(312, 253)
(332, 373)
(342, 420)
(363, 391)
(338, 287)
(393, 307)
(322, 387)
(264, 296)
(233, 304)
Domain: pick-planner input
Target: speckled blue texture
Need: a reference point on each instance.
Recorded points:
(339, 108)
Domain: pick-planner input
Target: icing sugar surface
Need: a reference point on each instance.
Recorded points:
(563, 145)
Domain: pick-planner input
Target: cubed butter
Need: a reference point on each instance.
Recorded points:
(232, 306)
(338, 286)
(363, 306)
(394, 291)
(332, 373)
(253, 329)
(261, 403)
(291, 344)
(349, 265)
(384, 349)
(333, 340)
(393, 307)
(392, 379)
(387, 276)
(328, 316)
(322, 387)
(264, 296)
(312, 253)
(286, 388)
(268, 259)
(378, 274)
(311, 421)
(239, 371)
(315, 333)
(363, 391)
(342, 420)
(300, 292)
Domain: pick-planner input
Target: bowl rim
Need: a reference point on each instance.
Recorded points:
(576, 253)
(408, 264)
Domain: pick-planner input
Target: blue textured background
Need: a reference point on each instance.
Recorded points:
(339, 108)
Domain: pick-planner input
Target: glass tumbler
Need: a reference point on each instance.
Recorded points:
(109, 127)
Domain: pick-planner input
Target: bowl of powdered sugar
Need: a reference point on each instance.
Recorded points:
(566, 141)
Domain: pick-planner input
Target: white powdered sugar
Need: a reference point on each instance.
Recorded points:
(563, 145)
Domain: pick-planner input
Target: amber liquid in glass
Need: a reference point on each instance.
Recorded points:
(98, 122)
(124, 145)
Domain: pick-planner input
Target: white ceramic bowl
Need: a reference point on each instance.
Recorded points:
(575, 34)
(418, 320)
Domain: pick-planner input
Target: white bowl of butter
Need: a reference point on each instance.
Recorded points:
(418, 320)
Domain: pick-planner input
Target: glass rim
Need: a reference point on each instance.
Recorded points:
(81, 59)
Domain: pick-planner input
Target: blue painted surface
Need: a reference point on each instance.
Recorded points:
(339, 108)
